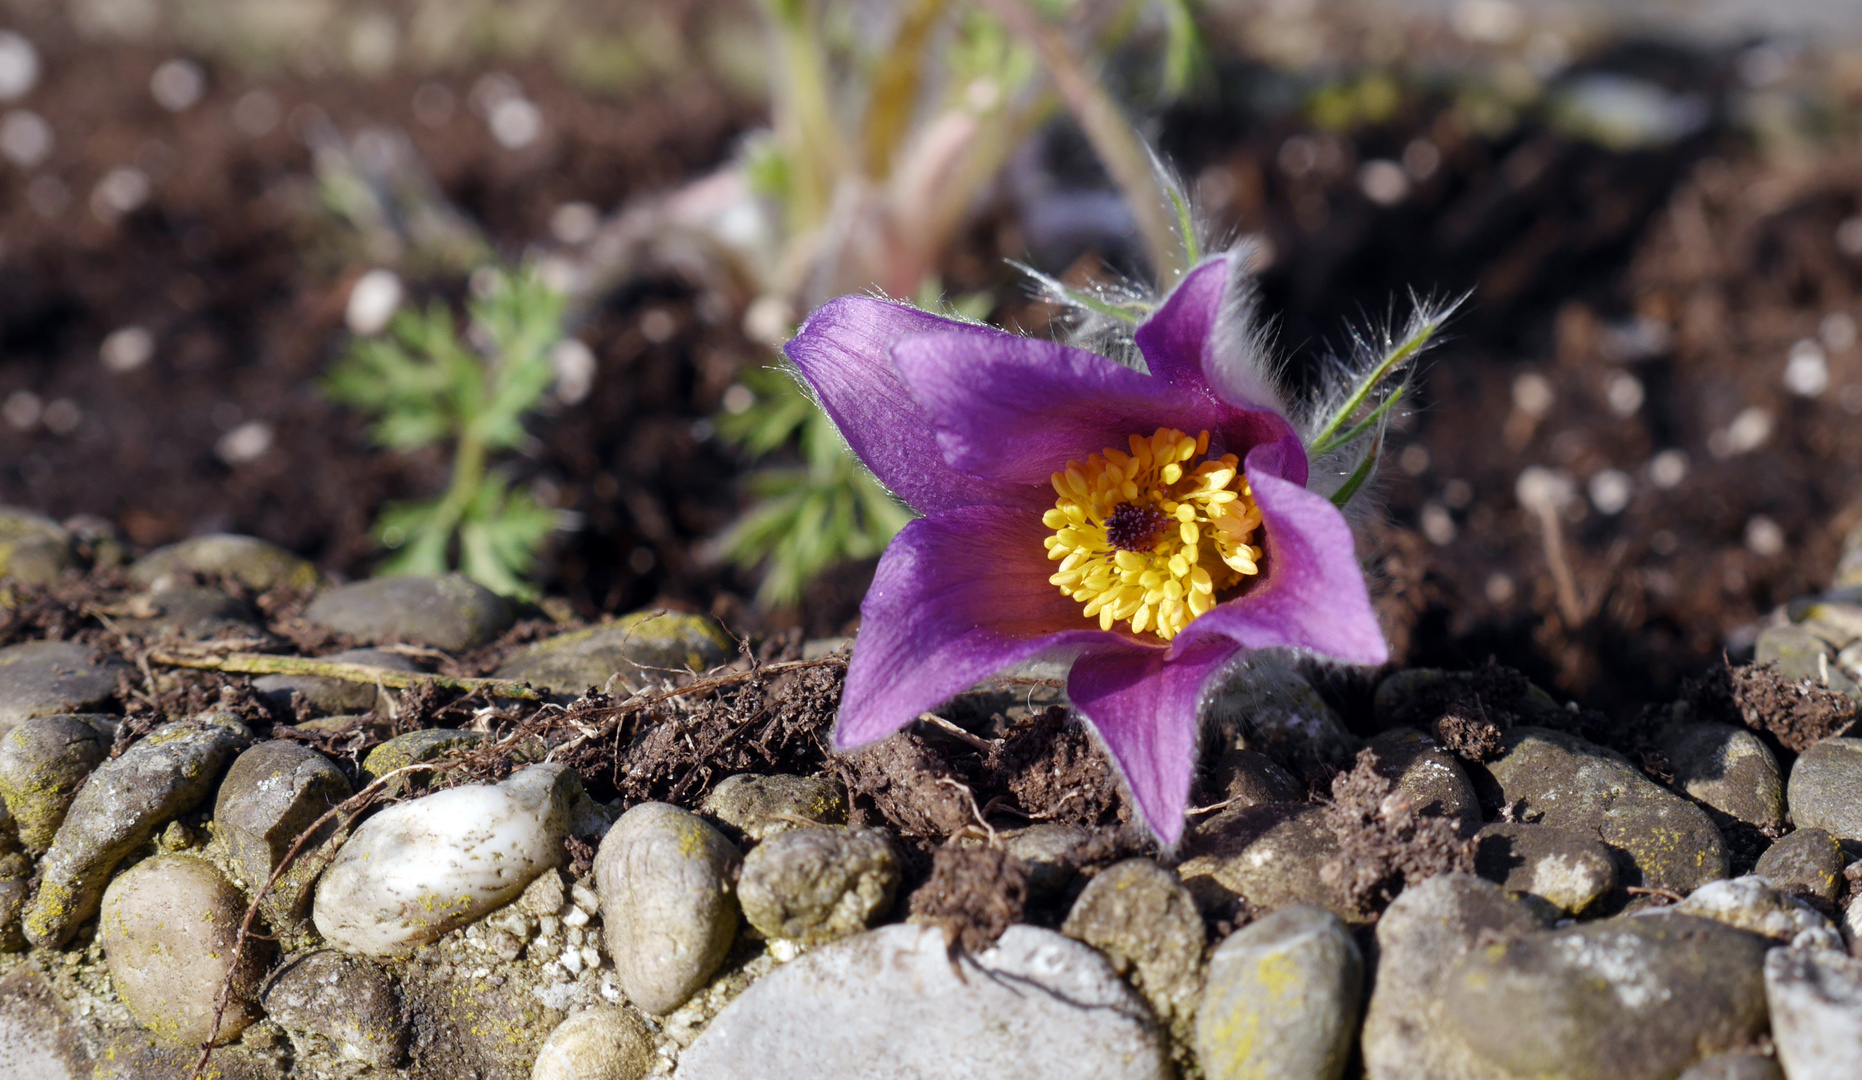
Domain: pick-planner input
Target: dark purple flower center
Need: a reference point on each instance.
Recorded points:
(1134, 528)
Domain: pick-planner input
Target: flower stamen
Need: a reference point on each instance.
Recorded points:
(1153, 537)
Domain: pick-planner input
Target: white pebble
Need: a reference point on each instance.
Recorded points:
(419, 869)
(1668, 468)
(575, 917)
(122, 190)
(19, 66)
(246, 443)
(1624, 394)
(1746, 433)
(515, 123)
(256, 113)
(1438, 524)
(574, 365)
(1541, 489)
(1838, 331)
(1610, 490)
(1533, 395)
(177, 84)
(25, 138)
(1807, 372)
(575, 223)
(1383, 182)
(591, 956)
(127, 348)
(571, 960)
(373, 300)
(22, 410)
(1763, 536)
(62, 416)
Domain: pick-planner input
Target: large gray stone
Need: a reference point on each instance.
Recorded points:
(1428, 928)
(448, 611)
(632, 648)
(345, 1000)
(815, 885)
(257, 564)
(46, 678)
(1429, 775)
(669, 902)
(335, 696)
(42, 762)
(34, 549)
(1799, 654)
(1816, 1012)
(192, 613)
(1563, 867)
(1282, 999)
(1660, 839)
(1825, 791)
(1808, 861)
(168, 928)
(39, 1039)
(1277, 712)
(271, 796)
(1622, 999)
(893, 1003)
(1269, 855)
(1142, 918)
(1730, 769)
(119, 808)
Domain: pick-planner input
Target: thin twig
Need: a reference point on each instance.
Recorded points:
(982, 745)
(1553, 535)
(267, 664)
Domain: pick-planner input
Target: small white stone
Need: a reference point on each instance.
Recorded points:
(1437, 524)
(1625, 394)
(571, 960)
(575, 917)
(1747, 432)
(19, 66)
(515, 122)
(177, 84)
(246, 443)
(1764, 537)
(1816, 1011)
(1807, 372)
(1668, 468)
(1533, 394)
(574, 365)
(373, 300)
(25, 138)
(127, 348)
(1610, 490)
(591, 956)
(419, 869)
(121, 191)
(1383, 182)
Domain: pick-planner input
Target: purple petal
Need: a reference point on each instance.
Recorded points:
(1145, 708)
(1015, 410)
(1203, 338)
(844, 352)
(1314, 597)
(957, 597)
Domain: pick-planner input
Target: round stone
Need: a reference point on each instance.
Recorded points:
(1282, 999)
(1142, 918)
(759, 807)
(271, 796)
(46, 678)
(1751, 904)
(448, 611)
(344, 999)
(1816, 1011)
(1730, 769)
(1270, 856)
(168, 926)
(1564, 867)
(257, 564)
(668, 900)
(596, 1044)
(1808, 861)
(815, 885)
(1825, 791)
(1429, 775)
(42, 762)
(631, 649)
(34, 549)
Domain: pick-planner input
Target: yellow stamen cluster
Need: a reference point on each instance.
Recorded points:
(1150, 537)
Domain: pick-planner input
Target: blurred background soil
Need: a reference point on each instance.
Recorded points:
(1660, 237)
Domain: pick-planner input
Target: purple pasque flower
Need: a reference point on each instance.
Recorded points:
(1153, 526)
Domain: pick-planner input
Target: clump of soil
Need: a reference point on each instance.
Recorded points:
(1384, 843)
(1756, 695)
(974, 892)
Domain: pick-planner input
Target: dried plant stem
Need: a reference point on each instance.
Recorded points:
(1106, 127)
(267, 664)
(1553, 535)
(981, 745)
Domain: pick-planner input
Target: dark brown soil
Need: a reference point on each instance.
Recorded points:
(974, 892)
(1384, 842)
(1795, 714)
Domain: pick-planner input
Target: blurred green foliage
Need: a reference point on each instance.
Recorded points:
(425, 386)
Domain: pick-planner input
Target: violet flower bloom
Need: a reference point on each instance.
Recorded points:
(1154, 526)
